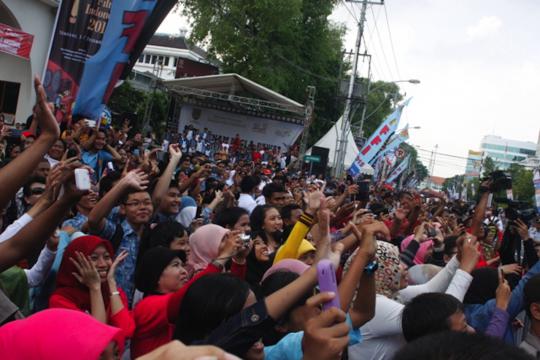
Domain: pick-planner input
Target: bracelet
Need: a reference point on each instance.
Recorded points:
(115, 293)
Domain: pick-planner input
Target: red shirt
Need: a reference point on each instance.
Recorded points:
(155, 315)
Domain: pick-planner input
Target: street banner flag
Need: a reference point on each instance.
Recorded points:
(79, 30)
(536, 180)
(393, 143)
(82, 27)
(376, 141)
(404, 164)
(15, 42)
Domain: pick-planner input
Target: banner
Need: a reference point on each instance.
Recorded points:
(376, 141)
(130, 25)
(15, 42)
(393, 143)
(398, 170)
(82, 26)
(77, 37)
(536, 180)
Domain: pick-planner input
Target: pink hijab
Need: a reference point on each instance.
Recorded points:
(425, 246)
(293, 265)
(57, 334)
(204, 243)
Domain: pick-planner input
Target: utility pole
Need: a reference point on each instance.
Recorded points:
(346, 123)
(432, 165)
(308, 117)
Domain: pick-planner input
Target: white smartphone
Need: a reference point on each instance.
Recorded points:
(82, 179)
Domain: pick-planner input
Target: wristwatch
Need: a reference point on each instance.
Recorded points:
(371, 267)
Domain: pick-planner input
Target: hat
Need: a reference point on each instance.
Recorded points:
(305, 247)
(154, 261)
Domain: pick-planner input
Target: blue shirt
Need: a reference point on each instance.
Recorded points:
(96, 160)
(290, 347)
(75, 222)
(125, 272)
(479, 315)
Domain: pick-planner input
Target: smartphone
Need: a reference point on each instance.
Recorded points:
(82, 179)
(326, 275)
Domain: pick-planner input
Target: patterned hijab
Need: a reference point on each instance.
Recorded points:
(388, 276)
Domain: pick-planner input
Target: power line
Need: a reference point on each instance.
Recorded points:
(391, 41)
(381, 44)
(438, 153)
(350, 11)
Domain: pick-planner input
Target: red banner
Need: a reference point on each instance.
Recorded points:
(15, 42)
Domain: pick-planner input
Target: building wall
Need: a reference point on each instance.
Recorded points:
(506, 151)
(37, 18)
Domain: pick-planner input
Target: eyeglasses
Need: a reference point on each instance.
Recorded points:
(37, 191)
(138, 203)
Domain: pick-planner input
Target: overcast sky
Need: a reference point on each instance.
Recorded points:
(478, 62)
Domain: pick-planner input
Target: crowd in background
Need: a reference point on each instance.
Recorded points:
(201, 245)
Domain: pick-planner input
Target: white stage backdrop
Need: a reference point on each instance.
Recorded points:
(250, 128)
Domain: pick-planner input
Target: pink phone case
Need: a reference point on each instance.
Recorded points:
(327, 282)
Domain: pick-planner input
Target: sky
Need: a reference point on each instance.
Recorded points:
(478, 62)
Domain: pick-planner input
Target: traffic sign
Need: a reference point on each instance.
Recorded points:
(312, 158)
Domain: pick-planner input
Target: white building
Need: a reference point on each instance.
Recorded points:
(165, 56)
(505, 151)
(35, 17)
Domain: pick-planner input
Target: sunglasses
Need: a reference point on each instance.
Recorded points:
(37, 191)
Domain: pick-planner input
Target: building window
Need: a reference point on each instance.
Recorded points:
(9, 97)
(166, 61)
(147, 59)
(175, 61)
(154, 58)
(141, 58)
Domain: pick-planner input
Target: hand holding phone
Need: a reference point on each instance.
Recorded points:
(328, 283)
(82, 179)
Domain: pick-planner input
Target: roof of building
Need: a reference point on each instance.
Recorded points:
(176, 42)
(437, 180)
(233, 84)
(498, 140)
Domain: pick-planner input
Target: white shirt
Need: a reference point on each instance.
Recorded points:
(535, 235)
(247, 202)
(382, 336)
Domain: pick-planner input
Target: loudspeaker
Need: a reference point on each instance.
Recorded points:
(320, 168)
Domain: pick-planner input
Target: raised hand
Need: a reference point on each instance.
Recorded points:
(522, 229)
(87, 273)
(231, 244)
(326, 335)
(136, 179)
(175, 152)
(112, 270)
(511, 269)
(377, 228)
(503, 293)
(468, 252)
(44, 116)
(313, 201)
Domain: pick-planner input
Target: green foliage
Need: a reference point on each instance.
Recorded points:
(488, 166)
(285, 45)
(522, 183)
(127, 99)
(420, 170)
(382, 99)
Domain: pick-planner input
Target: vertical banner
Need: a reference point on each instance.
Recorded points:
(536, 180)
(77, 37)
(393, 143)
(15, 42)
(398, 170)
(96, 42)
(130, 26)
(377, 140)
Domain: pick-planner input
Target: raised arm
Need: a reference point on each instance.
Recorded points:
(17, 172)
(164, 180)
(37, 232)
(135, 179)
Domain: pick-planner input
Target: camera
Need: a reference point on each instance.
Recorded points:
(517, 210)
(245, 239)
(499, 181)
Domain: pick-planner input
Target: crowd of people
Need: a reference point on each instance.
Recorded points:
(184, 248)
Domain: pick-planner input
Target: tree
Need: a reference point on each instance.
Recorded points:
(285, 45)
(128, 100)
(522, 183)
(489, 166)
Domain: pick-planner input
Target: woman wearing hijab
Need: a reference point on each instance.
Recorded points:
(207, 242)
(383, 336)
(60, 334)
(86, 282)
